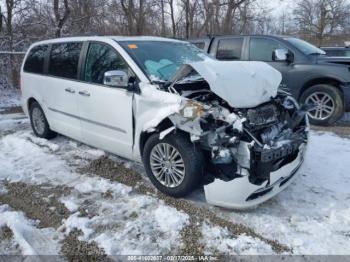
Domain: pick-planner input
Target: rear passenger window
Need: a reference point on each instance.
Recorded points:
(64, 60)
(229, 49)
(102, 58)
(35, 60)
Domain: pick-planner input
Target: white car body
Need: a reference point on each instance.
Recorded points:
(113, 119)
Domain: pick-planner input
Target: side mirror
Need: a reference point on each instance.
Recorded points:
(116, 78)
(279, 55)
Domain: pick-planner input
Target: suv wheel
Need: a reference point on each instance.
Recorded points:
(173, 164)
(39, 122)
(329, 106)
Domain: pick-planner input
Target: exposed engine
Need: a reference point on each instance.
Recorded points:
(239, 142)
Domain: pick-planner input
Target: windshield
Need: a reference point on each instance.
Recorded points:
(305, 47)
(161, 59)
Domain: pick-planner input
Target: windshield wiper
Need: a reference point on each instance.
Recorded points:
(316, 53)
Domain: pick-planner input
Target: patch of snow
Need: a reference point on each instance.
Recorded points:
(42, 142)
(32, 241)
(169, 219)
(219, 239)
(100, 185)
(69, 204)
(22, 160)
(139, 224)
(9, 97)
(313, 214)
(12, 124)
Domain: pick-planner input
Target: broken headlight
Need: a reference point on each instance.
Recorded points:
(192, 109)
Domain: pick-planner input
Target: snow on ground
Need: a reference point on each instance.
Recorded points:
(313, 214)
(9, 97)
(215, 237)
(31, 240)
(139, 224)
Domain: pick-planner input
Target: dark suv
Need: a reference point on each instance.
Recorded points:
(308, 74)
(337, 51)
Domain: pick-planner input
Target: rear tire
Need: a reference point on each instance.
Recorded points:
(329, 104)
(39, 122)
(185, 167)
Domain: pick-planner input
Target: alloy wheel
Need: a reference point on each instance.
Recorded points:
(167, 165)
(324, 105)
(38, 120)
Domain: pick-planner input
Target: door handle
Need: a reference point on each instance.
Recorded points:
(70, 90)
(84, 93)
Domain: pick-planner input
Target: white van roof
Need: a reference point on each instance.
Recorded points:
(101, 38)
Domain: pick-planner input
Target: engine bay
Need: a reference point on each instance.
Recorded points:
(238, 142)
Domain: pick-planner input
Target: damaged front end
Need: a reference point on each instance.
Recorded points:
(251, 153)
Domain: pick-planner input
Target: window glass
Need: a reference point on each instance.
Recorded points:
(160, 60)
(64, 60)
(35, 60)
(305, 47)
(260, 49)
(230, 49)
(100, 59)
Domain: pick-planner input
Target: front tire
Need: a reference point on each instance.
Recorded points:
(173, 164)
(39, 122)
(329, 106)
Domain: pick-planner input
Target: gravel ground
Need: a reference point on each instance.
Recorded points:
(77, 250)
(107, 168)
(37, 202)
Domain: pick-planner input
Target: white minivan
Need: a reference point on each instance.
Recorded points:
(192, 120)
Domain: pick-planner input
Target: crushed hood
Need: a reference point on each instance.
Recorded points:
(241, 84)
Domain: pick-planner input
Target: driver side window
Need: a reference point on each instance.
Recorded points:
(100, 59)
(260, 49)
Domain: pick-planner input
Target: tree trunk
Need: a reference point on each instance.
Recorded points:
(187, 18)
(140, 18)
(60, 21)
(1, 20)
(162, 31)
(9, 32)
(172, 14)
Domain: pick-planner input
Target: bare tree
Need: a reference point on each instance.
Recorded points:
(8, 18)
(60, 19)
(319, 18)
(1, 20)
(135, 14)
(231, 7)
(172, 16)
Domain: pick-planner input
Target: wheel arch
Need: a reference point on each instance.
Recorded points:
(30, 101)
(321, 80)
(145, 135)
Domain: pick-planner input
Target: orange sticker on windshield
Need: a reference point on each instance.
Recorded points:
(132, 46)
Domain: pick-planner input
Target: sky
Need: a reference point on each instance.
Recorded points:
(278, 6)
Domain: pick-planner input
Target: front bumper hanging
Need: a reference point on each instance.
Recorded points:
(241, 193)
